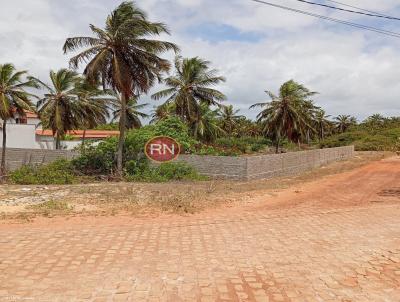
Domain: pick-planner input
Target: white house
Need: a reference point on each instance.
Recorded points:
(25, 132)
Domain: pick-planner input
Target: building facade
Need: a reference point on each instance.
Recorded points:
(25, 132)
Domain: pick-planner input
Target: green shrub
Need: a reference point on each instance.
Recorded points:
(100, 159)
(243, 145)
(365, 140)
(178, 130)
(142, 171)
(59, 172)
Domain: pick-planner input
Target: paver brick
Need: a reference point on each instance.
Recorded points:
(308, 251)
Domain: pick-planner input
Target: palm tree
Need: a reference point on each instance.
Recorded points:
(229, 118)
(189, 88)
(321, 123)
(14, 99)
(60, 109)
(375, 121)
(287, 114)
(343, 122)
(162, 112)
(123, 57)
(93, 105)
(133, 113)
(205, 127)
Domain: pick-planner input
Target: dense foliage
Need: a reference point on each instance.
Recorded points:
(59, 172)
(376, 133)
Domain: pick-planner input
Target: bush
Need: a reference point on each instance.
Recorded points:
(365, 140)
(59, 172)
(243, 145)
(175, 128)
(142, 171)
(97, 159)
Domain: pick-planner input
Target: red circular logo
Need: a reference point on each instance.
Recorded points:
(162, 149)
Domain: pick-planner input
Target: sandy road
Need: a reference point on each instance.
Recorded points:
(335, 239)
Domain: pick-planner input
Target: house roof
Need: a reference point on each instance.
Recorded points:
(30, 114)
(79, 133)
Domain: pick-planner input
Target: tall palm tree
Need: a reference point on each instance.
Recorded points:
(229, 118)
(133, 112)
(343, 122)
(123, 57)
(14, 99)
(60, 109)
(321, 123)
(287, 114)
(190, 87)
(205, 127)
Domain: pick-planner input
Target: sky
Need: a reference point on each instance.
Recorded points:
(256, 47)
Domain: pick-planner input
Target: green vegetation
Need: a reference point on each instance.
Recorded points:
(376, 133)
(142, 171)
(14, 100)
(59, 173)
(122, 61)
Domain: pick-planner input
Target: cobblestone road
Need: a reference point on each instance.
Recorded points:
(337, 242)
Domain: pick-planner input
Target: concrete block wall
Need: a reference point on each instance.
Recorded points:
(223, 167)
(15, 158)
(266, 166)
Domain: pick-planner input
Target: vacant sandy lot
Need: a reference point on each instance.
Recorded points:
(332, 235)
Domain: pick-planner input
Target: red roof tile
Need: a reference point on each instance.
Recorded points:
(79, 133)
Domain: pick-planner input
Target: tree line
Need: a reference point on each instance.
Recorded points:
(122, 61)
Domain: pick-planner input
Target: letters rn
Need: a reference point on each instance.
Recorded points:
(162, 149)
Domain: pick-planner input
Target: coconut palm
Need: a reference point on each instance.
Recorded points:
(60, 109)
(133, 112)
(162, 112)
(123, 57)
(205, 126)
(228, 117)
(321, 123)
(14, 99)
(287, 114)
(93, 105)
(343, 122)
(190, 87)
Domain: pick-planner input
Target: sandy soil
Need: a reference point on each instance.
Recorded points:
(26, 203)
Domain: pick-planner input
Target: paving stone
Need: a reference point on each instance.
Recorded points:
(326, 246)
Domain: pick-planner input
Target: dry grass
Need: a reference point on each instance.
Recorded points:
(153, 199)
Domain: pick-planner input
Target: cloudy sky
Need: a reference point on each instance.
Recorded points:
(256, 47)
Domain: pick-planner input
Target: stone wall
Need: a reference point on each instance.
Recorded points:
(266, 166)
(224, 167)
(15, 158)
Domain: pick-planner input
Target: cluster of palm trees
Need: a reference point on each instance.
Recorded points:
(122, 61)
(292, 115)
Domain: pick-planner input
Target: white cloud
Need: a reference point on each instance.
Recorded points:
(355, 72)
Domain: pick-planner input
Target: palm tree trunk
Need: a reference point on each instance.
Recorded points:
(83, 138)
(3, 150)
(122, 126)
(58, 141)
(277, 146)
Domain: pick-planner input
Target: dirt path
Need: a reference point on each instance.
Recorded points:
(335, 239)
